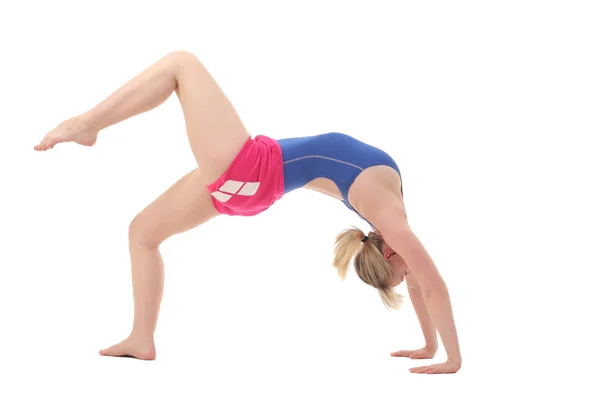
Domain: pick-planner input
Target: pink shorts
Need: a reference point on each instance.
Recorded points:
(253, 181)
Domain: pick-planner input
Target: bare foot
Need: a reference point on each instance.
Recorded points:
(131, 348)
(71, 130)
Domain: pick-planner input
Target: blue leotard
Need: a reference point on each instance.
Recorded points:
(335, 156)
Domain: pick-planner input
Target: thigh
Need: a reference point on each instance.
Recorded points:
(185, 205)
(215, 130)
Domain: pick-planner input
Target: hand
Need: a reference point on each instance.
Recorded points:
(423, 353)
(448, 367)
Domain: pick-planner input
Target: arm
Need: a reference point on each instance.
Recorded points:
(427, 326)
(403, 240)
(386, 211)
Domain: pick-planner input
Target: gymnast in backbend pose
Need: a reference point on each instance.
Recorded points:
(241, 175)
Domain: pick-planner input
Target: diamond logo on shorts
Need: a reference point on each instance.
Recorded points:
(235, 188)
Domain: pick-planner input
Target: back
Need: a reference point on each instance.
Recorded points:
(333, 155)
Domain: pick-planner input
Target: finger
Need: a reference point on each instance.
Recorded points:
(423, 368)
(434, 371)
(404, 353)
(421, 355)
(426, 370)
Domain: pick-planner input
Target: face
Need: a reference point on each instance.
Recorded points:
(399, 267)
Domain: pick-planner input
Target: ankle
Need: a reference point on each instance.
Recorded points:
(87, 123)
(141, 336)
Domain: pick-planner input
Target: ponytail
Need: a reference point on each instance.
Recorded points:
(390, 298)
(347, 244)
(369, 263)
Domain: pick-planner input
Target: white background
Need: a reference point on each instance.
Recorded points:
(489, 108)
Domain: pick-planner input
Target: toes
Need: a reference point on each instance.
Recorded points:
(46, 144)
(120, 352)
(40, 147)
(111, 351)
(129, 349)
(104, 352)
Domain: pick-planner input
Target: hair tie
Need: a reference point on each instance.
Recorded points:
(364, 239)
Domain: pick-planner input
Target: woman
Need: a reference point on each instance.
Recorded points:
(245, 176)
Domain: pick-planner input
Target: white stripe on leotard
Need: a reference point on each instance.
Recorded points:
(326, 158)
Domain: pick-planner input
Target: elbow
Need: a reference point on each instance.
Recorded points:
(436, 291)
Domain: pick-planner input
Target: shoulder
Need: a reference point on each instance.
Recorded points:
(377, 195)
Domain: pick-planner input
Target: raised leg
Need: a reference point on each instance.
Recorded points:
(182, 207)
(215, 130)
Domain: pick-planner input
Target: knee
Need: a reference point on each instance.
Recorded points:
(143, 232)
(182, 58)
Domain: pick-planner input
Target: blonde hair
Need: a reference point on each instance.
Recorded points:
(369, 263)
